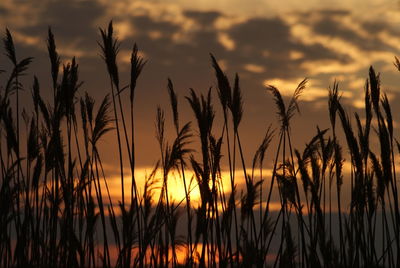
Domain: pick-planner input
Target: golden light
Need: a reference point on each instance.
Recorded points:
(176, 187)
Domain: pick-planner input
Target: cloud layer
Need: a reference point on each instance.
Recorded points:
(278, 46)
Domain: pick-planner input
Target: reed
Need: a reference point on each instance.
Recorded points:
(56, 209)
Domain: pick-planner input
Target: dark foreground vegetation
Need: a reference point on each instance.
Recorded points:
(56, 209)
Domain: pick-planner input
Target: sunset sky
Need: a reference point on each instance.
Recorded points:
(72, 194)
(265, 42)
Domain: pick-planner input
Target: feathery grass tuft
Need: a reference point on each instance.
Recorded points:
(9, 47)
(54, 57)
(110, 49)
(224, 88)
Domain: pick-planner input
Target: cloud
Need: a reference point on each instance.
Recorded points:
(270, 43)
(357, 36)
(74, 24)
(282, 48)
(144, 25)
(203, 18)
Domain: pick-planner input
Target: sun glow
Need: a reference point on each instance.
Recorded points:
(176, 188)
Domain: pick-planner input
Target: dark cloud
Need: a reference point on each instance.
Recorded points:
(3, 11)
(143, 25)
(258, 35)
(334, 12)
(268, 42)
(188, 58)
(323, 13)
(72, 22)
(265, 42)
(377, 27)
(203, 18)
(331, 27)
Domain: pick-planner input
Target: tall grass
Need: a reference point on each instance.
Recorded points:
(56, 209)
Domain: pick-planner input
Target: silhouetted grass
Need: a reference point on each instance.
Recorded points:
(56, 209)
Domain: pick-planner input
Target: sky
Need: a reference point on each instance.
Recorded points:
(265, 42)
